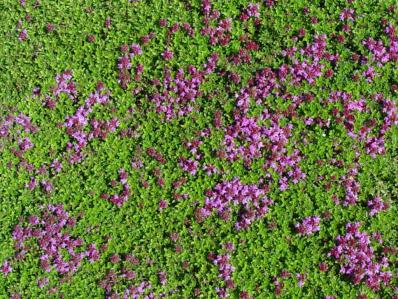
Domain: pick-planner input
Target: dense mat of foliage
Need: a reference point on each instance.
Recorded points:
(198, 149)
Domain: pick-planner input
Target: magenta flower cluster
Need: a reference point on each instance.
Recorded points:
(380, 53)
(188, 165)
(125, 63)
(51, 239)
(15, 128)
(126, 276)
(120, 199)
(63, 85)
(77, 123)
(309, 68)
(351, 185)
(377, 205)
(6, 268)
(22, 120)
(219, 34)
(252, 201)
(374, 144)
(251, 11)
(180, 93)
(225, 271)
(358, 259)
(308, 226)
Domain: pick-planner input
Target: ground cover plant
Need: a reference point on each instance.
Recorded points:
(199, 149)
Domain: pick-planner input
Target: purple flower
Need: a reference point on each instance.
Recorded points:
(56, 165)
(225, 270)
(25, 144)
(108, 22)
(124, 62)
(347, 14)
(229, 246)
(369, 74)
(377, 205)
(42, 282)
(163, 204)
(189, 165)
(357, 258)
(136, 49)
(162, 277)
(308, 226)
(167, 55)
(301, 279)
(6, 268)
(92, 253)
(32, 184)
(23, 35)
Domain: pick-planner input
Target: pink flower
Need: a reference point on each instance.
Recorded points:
(377, 205)
(308, 226)
(369, 74)
(92, 253)
(163, 22)
(162, 277)
(23, 35)
(301, 279)
(108, 22)
(136, 49)
(6, 268)
(347, 14)
(358, 260)
(189, 165)
(167, 55)
(124, 62)
(42, 282)
(163, 204)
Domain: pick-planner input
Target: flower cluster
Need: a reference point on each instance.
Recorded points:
(151, 152)
(125, 276)
(380, 53)
(218, 35)
(252, 10)
(188, 165)
(76, 124)
(278, 281)
(6, 268)
(133, 291)
(65, 85)
(351, 185)
(369, 74)
(308, 226)
(347, 14)
(167, 55)
(21, 119)
(248, 140)
(375, 145)
(376, 205)
(310, 67)
(101, 128)
(225, 270)
(358, 260)
(180, 93)
(120, 199)
(52, 241)
(125, 63)
(23, 35)
(252, 200)
(247, 132)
